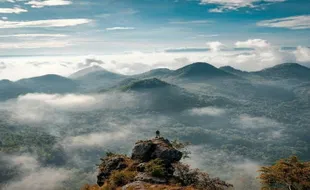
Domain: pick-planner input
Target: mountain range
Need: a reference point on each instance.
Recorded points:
(95, 78)
(229, 116)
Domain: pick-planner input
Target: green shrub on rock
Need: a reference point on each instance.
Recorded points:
(119, 178)
(155, 168)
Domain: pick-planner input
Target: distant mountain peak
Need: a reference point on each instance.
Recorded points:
(288, 65)
(227, 67)
(6, 81)
(146, 84)
(49, 83)
(286, 71)
(47, 77)
(87, 71)
(200, 69)
(95, 68)
(233, 70)
(154, 73)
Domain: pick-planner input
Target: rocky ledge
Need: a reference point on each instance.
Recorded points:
(154, 164)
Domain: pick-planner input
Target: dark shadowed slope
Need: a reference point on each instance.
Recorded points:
(49, 84)
(9, 89)
(234, 71)
(157, 95)
(145, 84)
(200, 70)
(158, 73)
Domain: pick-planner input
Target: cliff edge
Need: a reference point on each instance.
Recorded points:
(154, 165)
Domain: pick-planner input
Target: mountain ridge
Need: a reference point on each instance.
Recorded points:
(285, 71)
(200, 70)
(50, 83)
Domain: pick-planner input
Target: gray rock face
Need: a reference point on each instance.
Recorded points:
(142, 151)
(150, 179)
(137, 185)
(109, 165)
(161, 148)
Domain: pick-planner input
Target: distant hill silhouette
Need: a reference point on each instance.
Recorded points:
(285, 71)
(96, 77)
(145, 84)
(9, 89)
(86, 71)
(158, 73)
(200, 70)
(49, 84)
(163, 96)
(234, 71)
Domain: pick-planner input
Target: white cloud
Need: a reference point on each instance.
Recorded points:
(211, 111)
(69, 101)
(97, 139)
(215, 46)
(24, 162)
(47, 3)
(11, 1)
(191, 22)
(32, 35)
(44, 23)
(34, 45)
(294, 22)
(247, 121)
(302, 54)
(120, 28)
(15, 10)
(233, 168)
(253, 43)
(43, 179)
(43, 108)
(224, 5)
(138, 62)
(33, 176)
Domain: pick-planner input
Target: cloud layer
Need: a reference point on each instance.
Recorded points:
(120, 28)
(224, 5)
(43, 23)
(48, 3)
(256, 54)
(294, 22)
(16, 10)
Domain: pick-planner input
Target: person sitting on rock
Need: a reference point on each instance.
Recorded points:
(157, 134)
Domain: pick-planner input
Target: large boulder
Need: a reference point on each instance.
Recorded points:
(161, 148)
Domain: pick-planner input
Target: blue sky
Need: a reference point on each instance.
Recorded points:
(109, 26)
(132, 36)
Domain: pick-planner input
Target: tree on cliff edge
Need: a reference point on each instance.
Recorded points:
(286, 174)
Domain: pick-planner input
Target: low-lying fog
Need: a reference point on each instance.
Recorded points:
(84, 126)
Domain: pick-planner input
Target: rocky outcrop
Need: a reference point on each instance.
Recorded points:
(135, 185)
(108, 165)
(150, 179)
(158, 148)
(154, 164)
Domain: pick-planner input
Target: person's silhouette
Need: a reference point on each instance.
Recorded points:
(157, 134)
